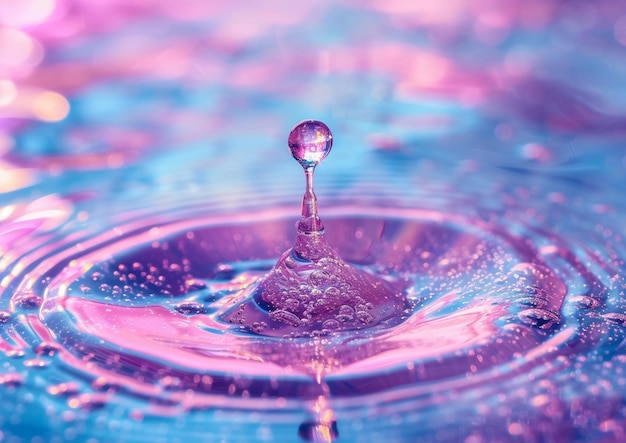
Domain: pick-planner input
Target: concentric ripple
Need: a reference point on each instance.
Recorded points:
(137, 314)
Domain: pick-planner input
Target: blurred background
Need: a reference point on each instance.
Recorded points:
(107, 97)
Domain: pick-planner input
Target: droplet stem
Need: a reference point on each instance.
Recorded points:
(310, 222)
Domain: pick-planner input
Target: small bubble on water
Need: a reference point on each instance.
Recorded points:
(331, 324)
(364, 317)
(36, 363)
(47, 349)
(11, 380)
(27, 300)
(346, 313)
(5, 316)
(285, 317)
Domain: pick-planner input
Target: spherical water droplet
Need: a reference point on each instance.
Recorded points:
(310, 141)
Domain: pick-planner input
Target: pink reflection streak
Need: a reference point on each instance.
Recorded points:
(159, 333)
(430, 338)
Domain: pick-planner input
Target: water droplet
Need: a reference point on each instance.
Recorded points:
(310, 286)
(310, 141)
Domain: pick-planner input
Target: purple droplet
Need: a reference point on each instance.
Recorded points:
(310, 141)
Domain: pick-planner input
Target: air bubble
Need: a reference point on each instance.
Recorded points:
(285, 317)
(190, 307)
